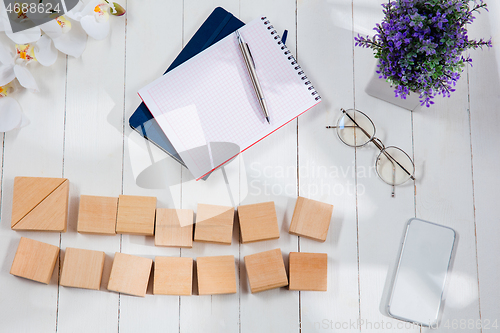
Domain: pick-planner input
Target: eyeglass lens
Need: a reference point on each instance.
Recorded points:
(355, 133)
(394, 166)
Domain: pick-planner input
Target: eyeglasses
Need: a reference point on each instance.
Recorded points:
(393, 165)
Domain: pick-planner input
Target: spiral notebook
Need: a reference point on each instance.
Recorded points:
(207, 106)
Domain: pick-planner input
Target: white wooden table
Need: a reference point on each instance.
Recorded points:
(79, 130)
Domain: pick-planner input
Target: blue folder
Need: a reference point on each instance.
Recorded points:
(217, 26)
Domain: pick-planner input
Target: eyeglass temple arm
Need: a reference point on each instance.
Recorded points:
(378, 145)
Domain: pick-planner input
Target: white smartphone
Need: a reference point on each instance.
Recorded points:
(424, 261)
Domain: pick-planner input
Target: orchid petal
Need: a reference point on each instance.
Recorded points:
(96, 30)
(26, 36)
(89, 8)
(73, 42)
(52, 29)
(6, 74)
(6, 57)
(11, 115)
(25, 78)
(45, 52)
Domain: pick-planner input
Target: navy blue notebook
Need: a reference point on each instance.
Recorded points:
(217, 26)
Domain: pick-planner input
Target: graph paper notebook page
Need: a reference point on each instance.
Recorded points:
(207, 106)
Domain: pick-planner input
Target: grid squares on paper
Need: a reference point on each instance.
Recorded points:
(216, 86)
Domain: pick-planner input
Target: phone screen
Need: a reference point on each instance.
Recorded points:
(420, 277)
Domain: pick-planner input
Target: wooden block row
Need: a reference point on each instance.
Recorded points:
(42, 204)
(172, 275)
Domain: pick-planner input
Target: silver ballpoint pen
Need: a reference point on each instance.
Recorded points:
(245, 51)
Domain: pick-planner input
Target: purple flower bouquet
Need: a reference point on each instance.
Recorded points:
(420, 45)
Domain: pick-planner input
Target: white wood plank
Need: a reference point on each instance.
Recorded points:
(217, 313)
(35, 150)
(153, 40)
(444, 195)
(93, 163)
(485, 121)
(326, 165)
(269, 172)
(381, 218)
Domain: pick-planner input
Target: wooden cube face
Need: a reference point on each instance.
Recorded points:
(266, 270)
(136, 215)
(82, 268)
(97, 215)
(173, 276)
(214, 224)
(34, 260)
(174, 227)
(40, 204)
(130, 274)
(258, 222)
(311, 219)
(308, 271)
(216, 275)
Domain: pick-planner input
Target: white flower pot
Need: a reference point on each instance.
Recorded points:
(381, 89)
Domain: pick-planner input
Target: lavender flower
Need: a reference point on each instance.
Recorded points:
(420, 45)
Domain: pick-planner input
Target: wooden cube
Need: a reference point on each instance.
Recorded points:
(214, 224)
(174, 227)
(216, 275)
(266, 270)
(308, 271)
(40, 204)
(34, 260)
(173, 276)
(258, 222)
(136, 215)
(82, 268)
(97, 215)
(130, 274)
(311, 219)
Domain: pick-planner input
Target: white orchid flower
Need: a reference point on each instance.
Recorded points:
(67, 37)
(11, 116)
(15, 66)
(94, 17)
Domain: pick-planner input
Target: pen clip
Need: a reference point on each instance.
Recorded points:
(250, 53)
(245, 45)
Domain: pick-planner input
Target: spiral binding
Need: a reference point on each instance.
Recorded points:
(291, 58)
